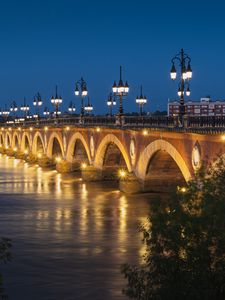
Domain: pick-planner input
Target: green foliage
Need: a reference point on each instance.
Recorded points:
(5, 256)
(185, 243)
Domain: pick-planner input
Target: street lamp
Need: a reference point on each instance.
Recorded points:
(111, 102)
(71, 107)
(81, 90)
(13, 109)
(35, 116)
(29, 116)
(37, 103)
(56, 101)
(46, 111)
(184, 62)
(5, 113)
(57, 113)
(121, 90)
(141, 101)
(89, 107)
(25, 108)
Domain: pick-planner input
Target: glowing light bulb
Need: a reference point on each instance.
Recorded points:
(122, 173)
(83, 165)
(58, 159)
(183, 189)
(145, 132)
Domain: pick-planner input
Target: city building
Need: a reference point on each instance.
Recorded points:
(204, 107)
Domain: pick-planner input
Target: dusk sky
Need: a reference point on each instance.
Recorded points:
(48, 42)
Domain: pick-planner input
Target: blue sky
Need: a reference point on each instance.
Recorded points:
(44, 43)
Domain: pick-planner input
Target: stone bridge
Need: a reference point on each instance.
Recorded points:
(149, 158)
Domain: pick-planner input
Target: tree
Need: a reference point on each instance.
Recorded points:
(185, 243)
(5, 256)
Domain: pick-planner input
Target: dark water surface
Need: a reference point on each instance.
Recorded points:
(69, 238)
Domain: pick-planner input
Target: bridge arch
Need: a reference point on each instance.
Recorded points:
(110, 139)
(152, 149)
(8, 140)
(15, 140)
(55, 145)
(25, 142)
(1, 140)
(38, 145)
(74, 140)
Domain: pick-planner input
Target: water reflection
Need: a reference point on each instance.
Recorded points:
(69, 237)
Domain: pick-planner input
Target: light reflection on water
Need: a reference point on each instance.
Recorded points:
(69, 237)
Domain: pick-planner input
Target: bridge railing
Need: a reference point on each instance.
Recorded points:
(191, 123)
(86, 120)
(206, 121)
(114, 121)
(146, 121)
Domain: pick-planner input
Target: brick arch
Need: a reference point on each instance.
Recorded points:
(34, 143)
(151, 149)
(13, 142)
(77, 136)
(23, 144)
(50, 144)
(2, 140)
(100, 153)
(8, 137)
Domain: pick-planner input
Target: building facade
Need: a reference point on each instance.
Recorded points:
(204, 107)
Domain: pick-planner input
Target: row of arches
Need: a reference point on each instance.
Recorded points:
(159, 161)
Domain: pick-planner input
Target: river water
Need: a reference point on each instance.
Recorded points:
(69, 238)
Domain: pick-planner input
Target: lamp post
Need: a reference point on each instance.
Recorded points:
(56, 101)
(46, 111)
(141, 101)
(37, 103)
(89, 107)
(25, 108)
(111, 102)
(29, 116)
(71, 107)
(13, 109)
(184, 62)
(121, 90)
(35, 116)
(5, 113)
(81, 90)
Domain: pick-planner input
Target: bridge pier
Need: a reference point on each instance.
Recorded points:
(90, 173)
(65, 166)
(19, 154)
(46, 162)
(130, 184)
(10, 152)
(30, 158)
(2, 150)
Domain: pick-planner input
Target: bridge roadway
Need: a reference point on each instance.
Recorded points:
(153, 152)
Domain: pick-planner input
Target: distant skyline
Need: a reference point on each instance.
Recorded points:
(44, 43)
